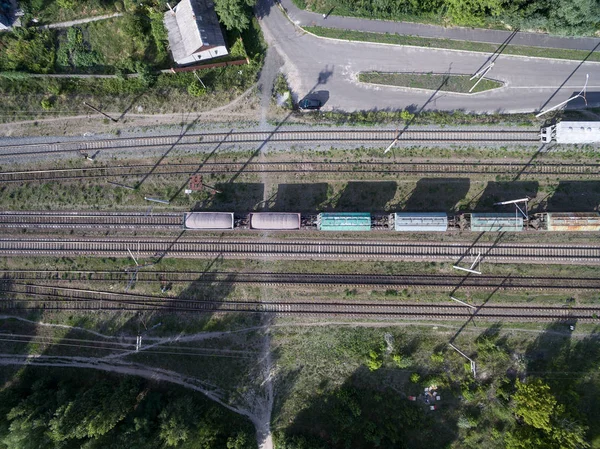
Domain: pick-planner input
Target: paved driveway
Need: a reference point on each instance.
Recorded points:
(331, 68)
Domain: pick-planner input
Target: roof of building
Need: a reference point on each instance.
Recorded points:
(275, 221)
(193, 28)
(421, 221)
(4, 22)
(578, 132)
(496, 222)
(344, 221)
(208, 220)
(573, 221)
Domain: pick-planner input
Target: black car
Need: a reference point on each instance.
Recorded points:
(310, 103)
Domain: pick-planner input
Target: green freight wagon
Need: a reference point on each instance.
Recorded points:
(344, 221)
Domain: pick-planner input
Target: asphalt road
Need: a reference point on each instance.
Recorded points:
(307, 18)
(328, 69)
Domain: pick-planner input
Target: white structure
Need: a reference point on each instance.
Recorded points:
(194, 32)
(572, 132)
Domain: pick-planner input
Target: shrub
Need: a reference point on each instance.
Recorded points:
(406, 116)
(415, 378)
(66, 4)
(47, 104)
(374, 362)
(402, 362)
(28, 50)
(146, 74)
(74, 52)
(196, 89)
(437, 357)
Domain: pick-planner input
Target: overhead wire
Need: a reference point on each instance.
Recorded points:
(129, 346)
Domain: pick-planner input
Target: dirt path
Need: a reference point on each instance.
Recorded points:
(156, 341)
(70, 23)
(265, 410)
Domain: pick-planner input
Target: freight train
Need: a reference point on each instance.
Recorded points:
(398, 221)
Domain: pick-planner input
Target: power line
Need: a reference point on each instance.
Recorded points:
(132, 345)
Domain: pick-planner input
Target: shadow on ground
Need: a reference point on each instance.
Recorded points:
(437, 194)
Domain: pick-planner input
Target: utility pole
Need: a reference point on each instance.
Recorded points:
(100, 112)
(473, 265)
(480, 74)
(462, 302)
(473, 368)
(579, 95)
(156, 200)
(516, 203)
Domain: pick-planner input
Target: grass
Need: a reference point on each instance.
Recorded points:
(430, 81)
(23, 95)
(315, 363)
(397, 39)
(109, 38)
(350, 191)
(441, 118)
(52, 11)
(224, 291)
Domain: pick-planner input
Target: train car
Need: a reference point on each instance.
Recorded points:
(208, 221)
(275, 221)
(420, 221)
(344, 221)
(573, 221)
(496, 222)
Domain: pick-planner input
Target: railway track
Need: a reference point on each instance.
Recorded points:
(434, 169)
(134, 220)
(484, 136)
(331, 279)
(31, 296)
(316, 250)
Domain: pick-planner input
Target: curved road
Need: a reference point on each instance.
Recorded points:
(328, 69)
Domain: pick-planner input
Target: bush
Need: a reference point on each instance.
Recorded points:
(196, 89)
(406, 116)
(437, 357)
(74, 52)
(66, 4)
(28, 50)
(415, 378)
(146, 74)
(47, 104)
(374, 362)
(402, 362)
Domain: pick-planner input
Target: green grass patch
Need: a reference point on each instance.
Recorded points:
(451, 118)
(431, 81)
(325, 377)
(416, 41)
(53, 11)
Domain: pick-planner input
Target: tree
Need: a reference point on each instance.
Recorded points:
(534, 403)
(234, 14)
(95, 412)
(547, 424)
(575, 16)
(175, 421)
